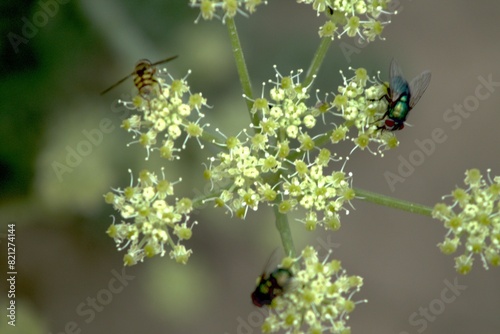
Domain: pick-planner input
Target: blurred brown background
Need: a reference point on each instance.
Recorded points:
(50, 94)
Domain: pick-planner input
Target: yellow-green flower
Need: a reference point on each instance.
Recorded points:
(473, 221)
(151, 218)
(364, 19)
(227, 8)
(319, 298)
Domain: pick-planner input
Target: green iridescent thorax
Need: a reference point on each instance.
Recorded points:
(271, 287)
(400, 109)
(282, 276)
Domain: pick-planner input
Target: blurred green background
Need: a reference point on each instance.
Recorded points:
(50, 84)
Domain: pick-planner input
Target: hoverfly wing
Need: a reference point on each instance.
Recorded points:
(164, 60)
(418, 86)
(116, 84)
(398, 85)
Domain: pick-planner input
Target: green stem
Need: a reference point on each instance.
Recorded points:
(393, 202)
(284, 231)
(241, 67)
(317, 60)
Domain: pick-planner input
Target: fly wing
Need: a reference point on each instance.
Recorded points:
(164, 60)
(272, 262)
(395, 70)
(116, 84)
(397, 83)
(418, 86)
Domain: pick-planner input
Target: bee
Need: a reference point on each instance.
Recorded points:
(401, 97)
(144, 77)
(272, 285)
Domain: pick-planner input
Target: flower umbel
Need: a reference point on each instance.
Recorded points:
(352, 18)
(165, 115)
(151, 221)
(282, 161)
(210, 8)
(473, 220)
(319, 298)
(361, 107)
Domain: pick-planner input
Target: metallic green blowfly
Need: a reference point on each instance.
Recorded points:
(271, 285)
(401, 97)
